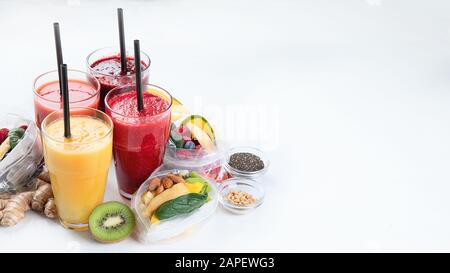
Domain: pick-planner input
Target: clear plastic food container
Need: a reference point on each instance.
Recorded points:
(205, 163)
(166, 229)
(21, 164)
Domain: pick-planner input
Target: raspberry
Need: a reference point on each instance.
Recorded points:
(3, 134)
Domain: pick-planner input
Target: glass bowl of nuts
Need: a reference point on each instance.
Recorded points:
(247, 162)
(241, 195)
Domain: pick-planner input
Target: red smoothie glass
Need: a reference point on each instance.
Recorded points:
(104, 64)
(139, 138)
(84, 91)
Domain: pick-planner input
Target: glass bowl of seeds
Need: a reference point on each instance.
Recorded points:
(241, 195)
(247, 162)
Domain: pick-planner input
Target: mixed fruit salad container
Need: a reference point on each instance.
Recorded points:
(193, 145)
(20, 153)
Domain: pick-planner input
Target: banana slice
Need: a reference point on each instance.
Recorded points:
(5, 147)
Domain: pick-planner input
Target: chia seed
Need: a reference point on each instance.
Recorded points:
(246, 162)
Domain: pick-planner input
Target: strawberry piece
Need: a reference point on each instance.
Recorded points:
(184, 131)
(24, 127)
(3, 134)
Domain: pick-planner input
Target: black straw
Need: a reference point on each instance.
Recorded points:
(137, 67)
(123, 55)
(59, 55)
(63, 81)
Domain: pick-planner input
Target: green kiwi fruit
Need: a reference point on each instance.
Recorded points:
(111, 222)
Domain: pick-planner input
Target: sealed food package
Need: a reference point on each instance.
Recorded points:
(170, 202)
(20, 153)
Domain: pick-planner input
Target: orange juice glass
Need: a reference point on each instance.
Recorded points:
(78, 166)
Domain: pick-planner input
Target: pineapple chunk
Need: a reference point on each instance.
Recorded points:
(195, 187)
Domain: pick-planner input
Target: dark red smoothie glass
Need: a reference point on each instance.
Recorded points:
(104, 64)
(84, 91)
(139, 138)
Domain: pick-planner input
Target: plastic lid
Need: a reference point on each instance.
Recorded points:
(191, 158)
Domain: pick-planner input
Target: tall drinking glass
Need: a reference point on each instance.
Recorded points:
(84, 91)
(105, 65)
(78, 166)
(139, 137)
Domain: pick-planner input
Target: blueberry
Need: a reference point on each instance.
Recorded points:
(189, 145)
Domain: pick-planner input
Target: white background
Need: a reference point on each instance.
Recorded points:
(349, 98)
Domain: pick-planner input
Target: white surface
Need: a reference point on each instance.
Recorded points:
(350, 98)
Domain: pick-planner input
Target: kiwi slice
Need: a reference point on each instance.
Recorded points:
(111, 222)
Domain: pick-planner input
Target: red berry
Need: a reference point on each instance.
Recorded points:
(184, 131)
(24, 127)
(3, 134)
(181, 129)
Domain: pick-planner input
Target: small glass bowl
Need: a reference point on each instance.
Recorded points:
(241, 184)
(246, 149)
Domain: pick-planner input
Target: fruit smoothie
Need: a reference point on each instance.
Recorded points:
(83, 92)
(106, 68)
(78, 166)
(139, 137)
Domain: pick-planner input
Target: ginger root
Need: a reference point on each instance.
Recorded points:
(13, 209)
(44, 175)
(50, 209)
(41, 195)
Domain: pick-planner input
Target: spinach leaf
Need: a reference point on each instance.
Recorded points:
(181, 205)
(15, 135)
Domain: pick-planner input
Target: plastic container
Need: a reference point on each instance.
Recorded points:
(166, 229)
(241, 184)
(206, 164)
(22, 163)
(246, 149)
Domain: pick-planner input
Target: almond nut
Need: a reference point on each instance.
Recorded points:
(154, 184)
(159, 190)
(175, 178)
(167, 182)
